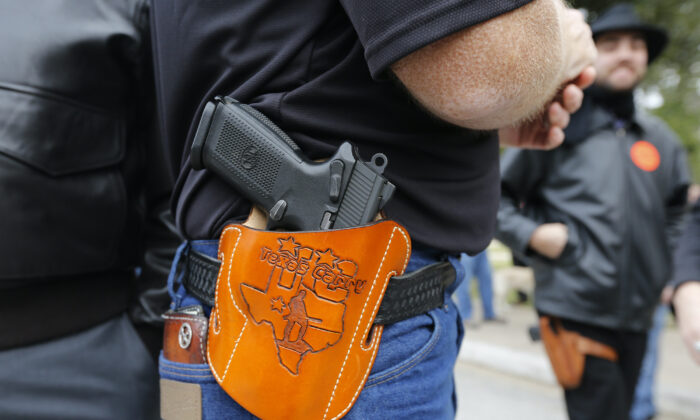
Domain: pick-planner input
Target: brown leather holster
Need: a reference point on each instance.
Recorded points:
(291, 334)
(567, 351)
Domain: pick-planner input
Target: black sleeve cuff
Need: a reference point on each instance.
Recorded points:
(428, 26)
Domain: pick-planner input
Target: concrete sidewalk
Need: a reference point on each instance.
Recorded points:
(507, 348)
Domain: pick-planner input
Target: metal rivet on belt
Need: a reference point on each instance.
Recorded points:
(185, 335)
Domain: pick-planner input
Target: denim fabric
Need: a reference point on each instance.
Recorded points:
(477, 266)
(643, 407)
(412, 377)
(216, 404)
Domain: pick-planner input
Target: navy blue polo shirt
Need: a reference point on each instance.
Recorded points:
(320, 70)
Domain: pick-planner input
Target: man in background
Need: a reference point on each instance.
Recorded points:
(599, 219)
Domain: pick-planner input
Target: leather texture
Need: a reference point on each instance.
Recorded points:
(39, 312)
(83, 178)
(406, 296)
(185, 337)
(76, 117)
(294, 316)
(201, 272)
(567, 351)
(595, 348)
(415, 293)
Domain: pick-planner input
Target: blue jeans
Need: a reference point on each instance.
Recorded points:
(643, 404)
(412, 377)
(477, 266)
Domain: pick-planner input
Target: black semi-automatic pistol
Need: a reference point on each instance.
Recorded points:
(250, 152)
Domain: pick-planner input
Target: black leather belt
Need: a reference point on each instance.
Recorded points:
(406, 296)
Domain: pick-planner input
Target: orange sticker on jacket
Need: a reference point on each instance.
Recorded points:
(645, 156)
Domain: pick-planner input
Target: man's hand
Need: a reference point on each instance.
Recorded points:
(549, 239)
(547, 131)
(667, 295)
(687, 305)
(257, 219)
(505, 70)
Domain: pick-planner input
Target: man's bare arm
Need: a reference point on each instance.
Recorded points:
(503, 71)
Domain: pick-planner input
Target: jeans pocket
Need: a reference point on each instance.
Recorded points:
(190, 391)
(182, 372)
(404, 345)
(181, 389)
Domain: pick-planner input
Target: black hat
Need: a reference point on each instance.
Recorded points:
(622, 17)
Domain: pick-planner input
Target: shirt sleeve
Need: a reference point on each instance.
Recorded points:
(392, 29)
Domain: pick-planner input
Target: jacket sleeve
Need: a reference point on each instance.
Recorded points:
(521, 171)
(676, 201)
(158, 239)
(687, 255)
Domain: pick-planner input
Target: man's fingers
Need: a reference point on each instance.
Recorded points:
(555, 137)
(558, 117)
(571, 98)
(575, 14)
(586, 78)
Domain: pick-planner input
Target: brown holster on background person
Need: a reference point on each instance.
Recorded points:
(292, 332)
(567, 351)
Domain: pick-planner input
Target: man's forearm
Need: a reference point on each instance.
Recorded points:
(494, 74)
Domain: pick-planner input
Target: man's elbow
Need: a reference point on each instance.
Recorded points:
(491, 75)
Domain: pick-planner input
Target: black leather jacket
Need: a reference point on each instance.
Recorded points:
(83, 194)
(622, 220)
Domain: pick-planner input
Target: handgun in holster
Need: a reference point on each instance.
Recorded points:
(251, 153)
(301, 306)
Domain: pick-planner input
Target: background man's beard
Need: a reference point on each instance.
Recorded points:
(605, 82)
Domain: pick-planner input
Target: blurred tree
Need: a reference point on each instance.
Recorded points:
(675, 75)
